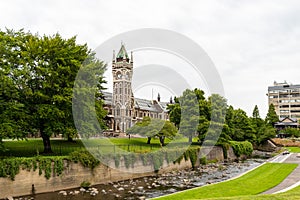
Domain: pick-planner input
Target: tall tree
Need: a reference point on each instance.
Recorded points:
(271, 117)
(255, 113)
(13, 114)
(240, 126)
(174, 111)
(44, 71)
(189, 114)
(217, 108)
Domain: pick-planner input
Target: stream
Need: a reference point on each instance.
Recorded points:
(153, 186)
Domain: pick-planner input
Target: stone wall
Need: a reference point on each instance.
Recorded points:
(74, 174)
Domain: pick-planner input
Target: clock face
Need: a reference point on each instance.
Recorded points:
(119, 76)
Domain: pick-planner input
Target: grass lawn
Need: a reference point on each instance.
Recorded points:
(293, 194)
(254, 182)
(293, 149)
(33, 147)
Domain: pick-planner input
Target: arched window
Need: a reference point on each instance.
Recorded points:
(118, 111)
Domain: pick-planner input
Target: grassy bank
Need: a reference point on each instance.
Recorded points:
(60, 147)
(293, 149)
(254, 182)
(293, 194)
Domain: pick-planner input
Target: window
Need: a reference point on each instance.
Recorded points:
(118, 111)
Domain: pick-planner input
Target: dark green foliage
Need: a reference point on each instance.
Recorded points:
(152, 128)
(192, 154)
(225, 147)
(117, 158)
(291, 132)
(242, 148)
(271, 117)
(146, 158)
(85, 158)
(179, 159)
(203, 160)
(10, 167)
(37, 75)
(129, 160)
(157, 159)
(85, 184)
(171, 156)
(58, 166)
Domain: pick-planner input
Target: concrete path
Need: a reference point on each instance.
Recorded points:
(292, 180)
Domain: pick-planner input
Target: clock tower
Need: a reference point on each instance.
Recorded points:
(123, 100)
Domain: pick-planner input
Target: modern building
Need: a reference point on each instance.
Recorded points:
(286, 99)
(123, 109)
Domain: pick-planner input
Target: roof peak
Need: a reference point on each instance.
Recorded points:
(122, 53)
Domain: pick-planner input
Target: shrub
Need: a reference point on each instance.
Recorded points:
(85, 158)
(203, 160)
(85, 184)
(242, 148)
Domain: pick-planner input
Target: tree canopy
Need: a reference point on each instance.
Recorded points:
(216, 120)
(154, 128)
(37, 76)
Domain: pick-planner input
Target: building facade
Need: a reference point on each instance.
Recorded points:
(286, 99)
(123, 109)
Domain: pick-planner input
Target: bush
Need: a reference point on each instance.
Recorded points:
(85, 158)
(10, 167)
(203, 160)
(85, 184)
(242, 148)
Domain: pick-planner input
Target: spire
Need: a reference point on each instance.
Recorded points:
(114, 56)
(158, 97)
(122, 55)
(171, 100)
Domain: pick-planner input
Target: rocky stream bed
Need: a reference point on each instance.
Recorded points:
(153, 186)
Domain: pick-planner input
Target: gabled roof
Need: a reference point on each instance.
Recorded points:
(142, 104)
(287, 119)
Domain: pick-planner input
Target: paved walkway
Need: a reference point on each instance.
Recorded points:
(292, 180)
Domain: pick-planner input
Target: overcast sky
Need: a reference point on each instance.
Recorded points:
(252, 43)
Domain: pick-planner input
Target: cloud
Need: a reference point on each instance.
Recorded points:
(252, 43)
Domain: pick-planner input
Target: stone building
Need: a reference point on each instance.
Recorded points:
(123, 109)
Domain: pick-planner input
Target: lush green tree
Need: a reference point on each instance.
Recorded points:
(265, 133)
(291, 132)
(271, 117)
(169, 130)
(255, 113)
(43, 70)
(218, 106)
(154, 128)
(258, 124)
(13, 114)
(240, 126)
(189, 114)
(174, 111)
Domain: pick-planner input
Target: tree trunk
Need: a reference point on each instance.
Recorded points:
(70, 139)
(46, 142)
(190, 139)
(149, 139)
(162, 140)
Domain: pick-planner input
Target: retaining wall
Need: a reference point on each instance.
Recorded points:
(74, 174)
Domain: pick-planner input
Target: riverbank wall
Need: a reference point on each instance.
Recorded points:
(74, 174)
